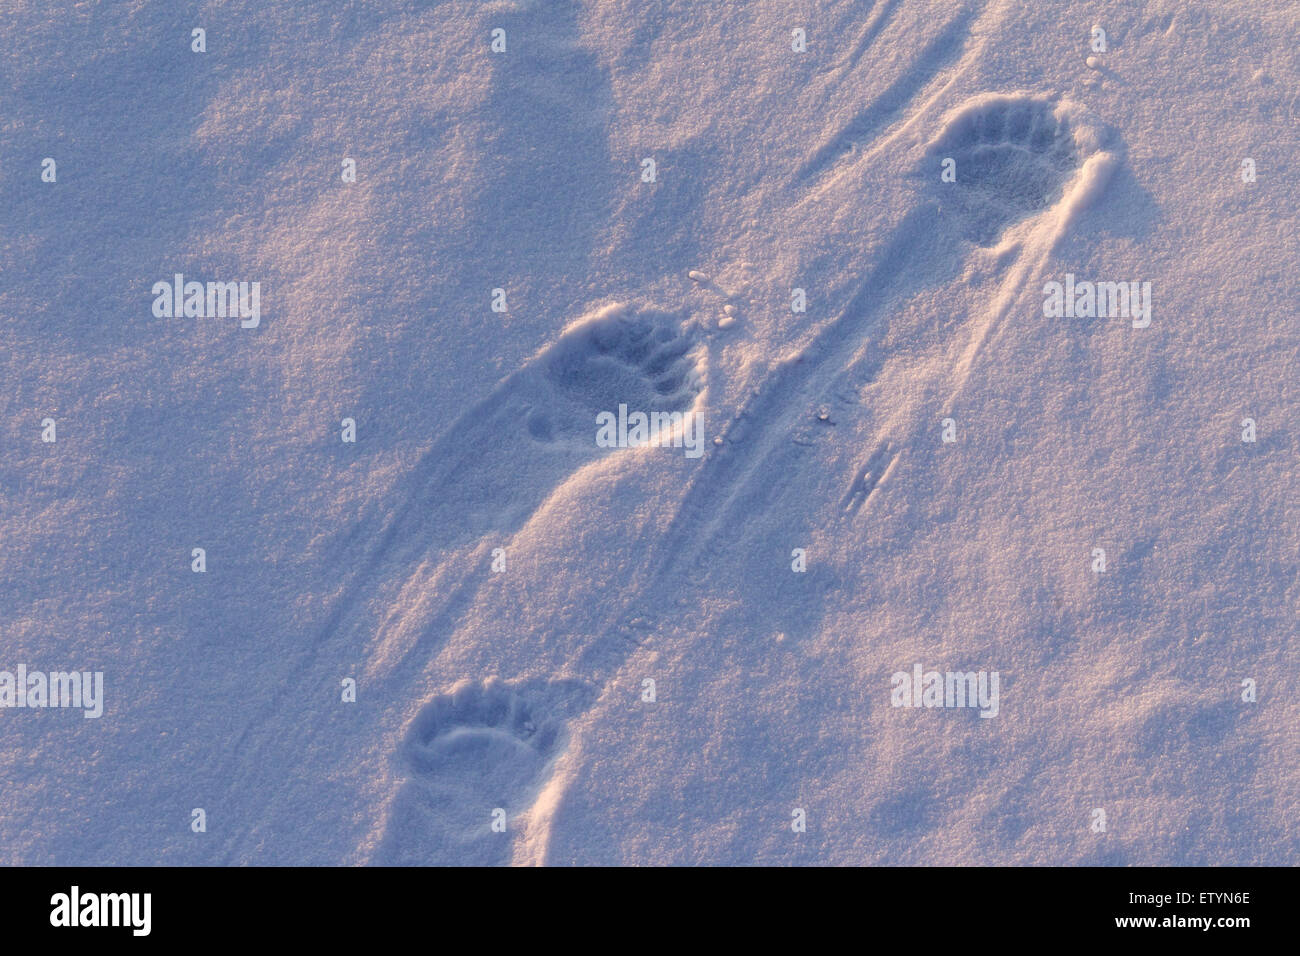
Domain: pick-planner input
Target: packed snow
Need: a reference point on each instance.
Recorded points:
(623, 432)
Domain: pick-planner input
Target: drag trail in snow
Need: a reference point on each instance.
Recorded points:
(1023, 171)
(1025, 165)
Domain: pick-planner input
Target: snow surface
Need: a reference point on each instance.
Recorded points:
(523, 690)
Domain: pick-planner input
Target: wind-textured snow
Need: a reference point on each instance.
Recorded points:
(740, 214)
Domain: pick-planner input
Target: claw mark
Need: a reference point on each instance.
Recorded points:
(869, 477)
